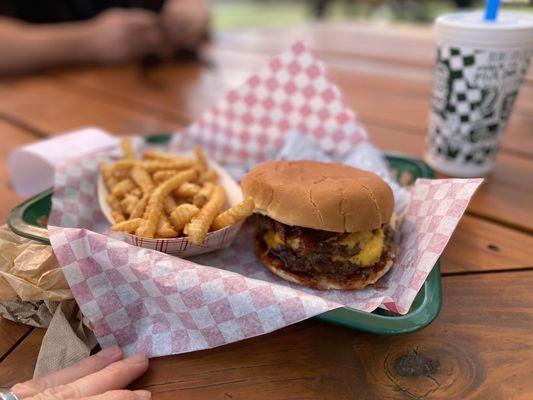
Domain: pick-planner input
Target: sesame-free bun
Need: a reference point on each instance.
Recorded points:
(327, 196)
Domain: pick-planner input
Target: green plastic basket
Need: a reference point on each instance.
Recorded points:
(29, 220)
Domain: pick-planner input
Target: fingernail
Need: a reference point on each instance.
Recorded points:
(112, 352)
(137, 358)
(145, 394)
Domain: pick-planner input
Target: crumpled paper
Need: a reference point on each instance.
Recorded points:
(69, 328)
(143, 300)
(29, 270)
(34, 291)
(34, 313)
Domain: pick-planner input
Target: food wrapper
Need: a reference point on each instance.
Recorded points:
(29, 270)
(144, 300)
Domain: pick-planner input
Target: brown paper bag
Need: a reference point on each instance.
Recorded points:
(34, 291)
(29, 270)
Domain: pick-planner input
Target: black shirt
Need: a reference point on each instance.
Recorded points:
(45, 11)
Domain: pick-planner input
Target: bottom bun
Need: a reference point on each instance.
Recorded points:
(325, 281)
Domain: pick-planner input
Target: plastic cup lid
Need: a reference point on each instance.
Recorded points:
(510, 30)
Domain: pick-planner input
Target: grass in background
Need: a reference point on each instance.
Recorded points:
(232, 14)
(235, 14)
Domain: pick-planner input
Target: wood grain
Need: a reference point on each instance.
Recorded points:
(404, 92)
(396, 45)
(478, 245)
(168, 87)
(10, 333)
(505, 196)
(512, 178)
(18, 366)
(53, 110)
(484, 325)
(479, 347)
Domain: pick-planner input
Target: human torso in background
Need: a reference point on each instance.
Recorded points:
(47, 11)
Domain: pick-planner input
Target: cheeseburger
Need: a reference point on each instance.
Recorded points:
(322, 225)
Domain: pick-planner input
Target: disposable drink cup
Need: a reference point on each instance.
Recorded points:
(480, 67)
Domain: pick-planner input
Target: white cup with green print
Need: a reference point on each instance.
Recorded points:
(480, 67)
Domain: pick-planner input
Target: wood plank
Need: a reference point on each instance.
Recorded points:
(10, 333)
(412, 46)
(505, 197)
(478, 347)
(49, 108)
(404, 93)
(18, 366)
(478, 245)
(367, 91)
(395, 44)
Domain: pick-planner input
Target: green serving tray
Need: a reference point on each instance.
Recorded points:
(29, 220)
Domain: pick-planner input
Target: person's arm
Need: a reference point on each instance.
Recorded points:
(186, 22)
(27, 47)
(113, 36)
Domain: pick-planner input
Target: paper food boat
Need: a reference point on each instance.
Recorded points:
(181, 246)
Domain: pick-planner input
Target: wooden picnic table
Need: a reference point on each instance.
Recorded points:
(480, 346)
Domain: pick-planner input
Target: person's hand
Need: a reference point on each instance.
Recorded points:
(124, 34)
(99, 377)
(185, 22)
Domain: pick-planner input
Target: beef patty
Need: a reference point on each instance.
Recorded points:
(311, 251)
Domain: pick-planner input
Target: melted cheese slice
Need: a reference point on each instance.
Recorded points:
(273, 239)
(371, 245)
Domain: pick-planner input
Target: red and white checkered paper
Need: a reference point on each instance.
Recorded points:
(147, 301)
(292, 93)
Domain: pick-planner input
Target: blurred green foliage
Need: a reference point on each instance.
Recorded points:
(234, 14)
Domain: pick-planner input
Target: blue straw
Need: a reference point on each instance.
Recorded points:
(491, 10)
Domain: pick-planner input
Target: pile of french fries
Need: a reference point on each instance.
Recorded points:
(163, 195)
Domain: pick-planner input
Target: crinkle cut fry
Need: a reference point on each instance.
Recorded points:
(158, 165)
(164, 229)
(187, 189)
(142, 178)
(123, 187)
(155, 204)
(182, 215)
(201, 158)
(106, 170)
(199, 225)
(203, 195)
(127, 149)
(140, 207)
(128, 226)
(234, 214)
(163, 175)
(160, 155)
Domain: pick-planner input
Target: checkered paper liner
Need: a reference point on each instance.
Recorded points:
(144, 300)
(293, 92)
(151, 302)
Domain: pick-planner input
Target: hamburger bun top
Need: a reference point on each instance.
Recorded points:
(327, 196)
